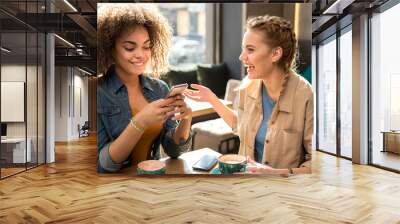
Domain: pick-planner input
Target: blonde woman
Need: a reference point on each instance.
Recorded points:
(275, 115)
(134, 117)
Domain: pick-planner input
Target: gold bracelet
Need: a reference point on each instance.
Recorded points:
(136, 125)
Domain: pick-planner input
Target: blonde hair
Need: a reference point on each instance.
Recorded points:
(278, 32)
(115, 19)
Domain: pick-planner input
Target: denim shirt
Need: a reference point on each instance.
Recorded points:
(114, 114)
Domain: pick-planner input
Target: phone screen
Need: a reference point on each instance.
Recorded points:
(206, 162)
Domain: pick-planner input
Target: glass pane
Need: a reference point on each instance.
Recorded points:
(31, 98)
(13, 85)
(327, 96)
(22, 63)
(386, 89)
(314, 85)
(188, 41)
(41, 99)
(346, 94)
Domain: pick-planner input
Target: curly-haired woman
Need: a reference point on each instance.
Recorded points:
(275, 115)
(134, 115)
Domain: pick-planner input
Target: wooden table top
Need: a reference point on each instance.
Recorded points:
(183, 164)
(391, 132)
(203, 108)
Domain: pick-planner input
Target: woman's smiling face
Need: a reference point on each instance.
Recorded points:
(256, 55)
(132, 51)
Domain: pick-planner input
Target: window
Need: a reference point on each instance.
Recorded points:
(346, 93)
(327, 96)
(22, 67)
(189, 33)
(314, 87)
(385, 84)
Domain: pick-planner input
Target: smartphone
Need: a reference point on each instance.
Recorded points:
(205, 163)
(177, 89)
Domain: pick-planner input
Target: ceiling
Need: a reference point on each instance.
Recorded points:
(332, 15)
(76, 25)
(75, 21)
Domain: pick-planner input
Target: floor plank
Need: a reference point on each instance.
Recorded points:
(70, 191)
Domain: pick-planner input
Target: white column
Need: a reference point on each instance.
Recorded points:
(210, 27)
(360, 90)
(50, 92)
(50, 100)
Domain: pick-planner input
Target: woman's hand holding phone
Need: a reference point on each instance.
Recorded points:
(181, 109)
(156, 112)
(177, 90)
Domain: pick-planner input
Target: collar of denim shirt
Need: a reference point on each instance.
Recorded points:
(116, 84)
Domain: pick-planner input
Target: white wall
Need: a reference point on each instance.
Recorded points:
(61, 103)
(71, 93)
(81, 81)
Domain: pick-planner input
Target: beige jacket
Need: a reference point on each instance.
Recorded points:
(290, 127)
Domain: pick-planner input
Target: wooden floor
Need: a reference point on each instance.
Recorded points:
(10, 171)
(70, 191)
(5, 172)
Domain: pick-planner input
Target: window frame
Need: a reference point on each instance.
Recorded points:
(379, 10)
(333, 37)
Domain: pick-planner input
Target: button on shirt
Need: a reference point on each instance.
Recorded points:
(268, 105)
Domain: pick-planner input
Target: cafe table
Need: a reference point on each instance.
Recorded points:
(391, 141)
(183, 164)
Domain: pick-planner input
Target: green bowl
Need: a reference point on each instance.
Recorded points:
(231, 163)
(152, 167)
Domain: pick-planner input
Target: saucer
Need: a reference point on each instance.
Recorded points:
(217, 171)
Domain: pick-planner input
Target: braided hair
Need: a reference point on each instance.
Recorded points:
(278, 32)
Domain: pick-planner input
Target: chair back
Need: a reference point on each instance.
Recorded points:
(86, 125)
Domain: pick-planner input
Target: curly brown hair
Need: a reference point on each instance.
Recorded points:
(278, 33)
(116, 18)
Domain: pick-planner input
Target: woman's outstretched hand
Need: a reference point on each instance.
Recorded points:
(257, 168)
(201, 93)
